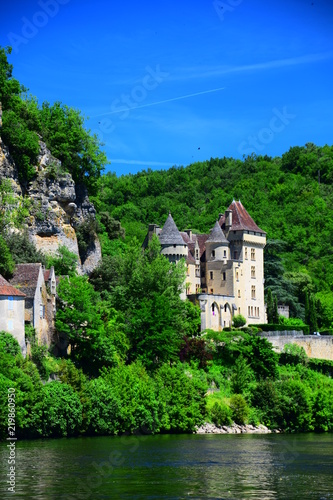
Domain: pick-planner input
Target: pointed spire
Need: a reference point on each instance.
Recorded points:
(216, 235)
(170, 234)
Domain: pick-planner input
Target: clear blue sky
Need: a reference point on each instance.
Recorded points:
(174, 82)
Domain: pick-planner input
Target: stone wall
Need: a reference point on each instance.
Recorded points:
(314, 346)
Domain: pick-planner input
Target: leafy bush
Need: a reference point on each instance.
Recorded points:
(62, 410)
(220, 414)
(239, 409)
(293, 354)
(8, 344)
(239, 321)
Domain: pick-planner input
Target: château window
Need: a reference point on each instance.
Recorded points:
(42, 311)
(197, 287)
(237, 276)
(197, 271)
(10, 325)
(246, 252)
(211, 275)
(249, 311)
(211, 290)
(213, 253)
(223, 275)
(224, 253)
(239, 294)
(196, 253)
(10, 303)
(253, 292)
(253, 272)
(253, 254)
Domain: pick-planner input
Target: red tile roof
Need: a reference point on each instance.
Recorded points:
(241, 220)
(9, 290)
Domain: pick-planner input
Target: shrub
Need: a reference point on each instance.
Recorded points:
(293, 354)
(62, 415)
(239, 321)
(220, 414)
(239, 409)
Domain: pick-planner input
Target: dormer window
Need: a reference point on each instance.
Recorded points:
(213, 253)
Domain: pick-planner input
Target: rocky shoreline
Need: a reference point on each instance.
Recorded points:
(208, 428)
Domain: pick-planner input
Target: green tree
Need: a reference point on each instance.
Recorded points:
(270, 306)
(79, 152)
(62, 410)
(239, 409)
(182, 398)
(65, 262)
(241, 375)
(6, 264)
(78, 317)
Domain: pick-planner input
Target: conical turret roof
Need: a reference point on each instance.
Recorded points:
(170, 234)
(216, 235)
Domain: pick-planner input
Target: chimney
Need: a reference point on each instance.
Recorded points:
(228, 219)
(189, 233)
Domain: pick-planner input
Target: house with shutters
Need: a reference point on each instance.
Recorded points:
(12, 303)
(225, 268)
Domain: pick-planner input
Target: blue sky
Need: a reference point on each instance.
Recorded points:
(174, 82)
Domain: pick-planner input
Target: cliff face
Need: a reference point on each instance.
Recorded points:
(58, 206)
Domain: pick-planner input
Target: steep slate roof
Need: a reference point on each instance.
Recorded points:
(216, 235)
(241, 220)
(170, 234)
(26, 278)
(7, 289)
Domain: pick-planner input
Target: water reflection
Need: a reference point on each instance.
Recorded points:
(175, 467)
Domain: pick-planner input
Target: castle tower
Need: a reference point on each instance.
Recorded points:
(217, 269)
(172, 243)
(247, 242)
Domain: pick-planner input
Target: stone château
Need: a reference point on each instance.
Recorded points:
(225, 268)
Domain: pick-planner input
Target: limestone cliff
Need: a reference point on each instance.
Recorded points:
(58, 206)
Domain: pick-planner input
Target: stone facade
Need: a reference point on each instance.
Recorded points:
(225, 268)
(12, 312)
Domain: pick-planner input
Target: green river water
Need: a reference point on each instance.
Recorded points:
(272, 466)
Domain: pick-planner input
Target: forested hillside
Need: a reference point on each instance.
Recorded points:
(291, 198)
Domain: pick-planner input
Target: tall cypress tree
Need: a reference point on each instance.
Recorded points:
(270, 306)
(275, 310)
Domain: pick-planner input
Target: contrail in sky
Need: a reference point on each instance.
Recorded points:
(162, 102)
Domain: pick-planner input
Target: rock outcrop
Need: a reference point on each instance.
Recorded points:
(208, 428)
(58, 206)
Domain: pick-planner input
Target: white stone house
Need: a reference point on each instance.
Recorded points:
(12, 303)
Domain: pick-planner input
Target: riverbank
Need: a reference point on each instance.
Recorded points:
(208, 428)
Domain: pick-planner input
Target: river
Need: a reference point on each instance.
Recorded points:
(233, 467)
